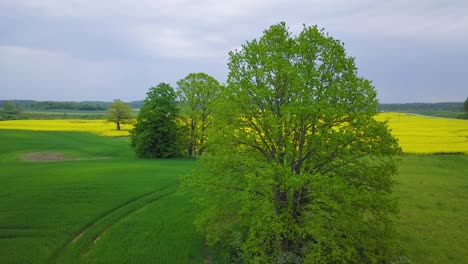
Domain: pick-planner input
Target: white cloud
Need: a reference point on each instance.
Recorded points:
(394, 19)
(181, 36)
(171, 42)
(203, 10)
(41, 74)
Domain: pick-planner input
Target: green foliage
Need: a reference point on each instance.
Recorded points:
(298, 168)
(119, 113)
(465, 105)
(197, 92)
(156, 133)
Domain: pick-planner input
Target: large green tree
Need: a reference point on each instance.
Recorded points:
(197, 92)
(298, 168)
(119, 113)
(465, 105)
(156, 133)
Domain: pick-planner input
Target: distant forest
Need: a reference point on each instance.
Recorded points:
(100, 105)
(451, 106)
(57, 105)
(30, 109)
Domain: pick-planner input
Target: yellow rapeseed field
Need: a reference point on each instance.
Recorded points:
(100, 127)
(416, 134)
(423, 134)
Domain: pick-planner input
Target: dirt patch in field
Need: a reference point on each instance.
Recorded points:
(46, 156)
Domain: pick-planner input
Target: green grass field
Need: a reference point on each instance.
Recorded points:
(433, 194)
(105, 207)
(101, 205)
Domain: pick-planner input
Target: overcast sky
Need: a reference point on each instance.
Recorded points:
(413, 51)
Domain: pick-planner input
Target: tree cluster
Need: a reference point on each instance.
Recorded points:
(295, 168)
(174, 124)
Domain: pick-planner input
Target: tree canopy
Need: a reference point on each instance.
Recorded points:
(197, 92)
(298, 168)
(119, 113)
(156, 133)
(465, 105)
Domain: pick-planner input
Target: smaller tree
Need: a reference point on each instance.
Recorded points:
(197, 94)
(119, 113)
(156, 133)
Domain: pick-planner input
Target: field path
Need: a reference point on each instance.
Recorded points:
(81, 243)
(133, 211)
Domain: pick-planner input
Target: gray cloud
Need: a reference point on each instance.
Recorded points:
(101, 50)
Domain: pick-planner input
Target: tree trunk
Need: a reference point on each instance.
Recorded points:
(201, 148)
(192, 146)
(190, 149)
(118, 125)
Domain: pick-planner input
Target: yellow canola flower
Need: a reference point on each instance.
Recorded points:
(99, 127)
(416, 134)
(424, 134)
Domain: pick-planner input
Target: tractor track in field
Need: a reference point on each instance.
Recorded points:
(107, 216)
(92, 223)
(133, 211)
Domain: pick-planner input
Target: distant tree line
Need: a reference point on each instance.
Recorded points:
(450, 106)
(86, 106)
(62, 105)
(102, 105)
